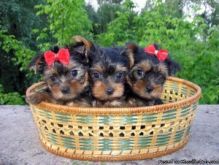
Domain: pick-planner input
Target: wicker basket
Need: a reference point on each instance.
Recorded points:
(109, 134)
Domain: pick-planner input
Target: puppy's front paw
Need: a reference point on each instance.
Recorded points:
(158, 102)
(35, 98)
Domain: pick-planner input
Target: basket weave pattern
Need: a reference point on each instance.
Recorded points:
(119, 133)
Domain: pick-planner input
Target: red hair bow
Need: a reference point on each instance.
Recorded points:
(162, 55)
(63, 56)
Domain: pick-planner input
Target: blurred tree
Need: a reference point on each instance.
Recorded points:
(194, 44)
(91, 13)
(17, 18)
(173, 8)
(207, 9)
(121, 29)
(215, 14)
(197, 56)
(149, 5)
(65, 19)
(15, 57)
(100, 2)
(106, 12)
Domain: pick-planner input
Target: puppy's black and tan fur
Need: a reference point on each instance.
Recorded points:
(147, 77)
(146, 81)
(66, 84)
(108, 71)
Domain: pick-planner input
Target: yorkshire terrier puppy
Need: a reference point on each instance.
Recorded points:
(157, 55)
(147, 76)
(65, 72)
(108, 71)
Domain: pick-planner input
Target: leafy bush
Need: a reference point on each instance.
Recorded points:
(17, 56)
(193, 44)
(11, 98)
(65, 19)
(188, 43)
(22, 55)
(122, 28)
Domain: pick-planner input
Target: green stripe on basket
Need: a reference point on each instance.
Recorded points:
(105, 119)
(63, 117)
(84, 119)
(179, 135)
(162, 139)
(184, 91)
(174, 86)
(185, 111)
(45, 114)
(68, 142)
(126, 144)
(192, 92)
(144, 141)
(105, 144)
(169, 115)
(194, 106)
(86, 144)
(52, 138)
(129, 120)
(149, 117)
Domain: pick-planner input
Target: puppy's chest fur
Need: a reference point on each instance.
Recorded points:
(109, 103)
(133, 100)
(83, 100)
(139, 102)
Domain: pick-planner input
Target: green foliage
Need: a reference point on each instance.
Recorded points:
(18, 18)
(148, 27)
(22, 55)
(65, 19)
(106, 13)
(194, 45)
(25, 29)
(121, 29)
(11, 98)
(201, 66)
(16, 56)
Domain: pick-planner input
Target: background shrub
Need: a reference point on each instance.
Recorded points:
(30, 27)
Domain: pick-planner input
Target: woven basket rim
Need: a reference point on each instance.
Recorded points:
(121, 110)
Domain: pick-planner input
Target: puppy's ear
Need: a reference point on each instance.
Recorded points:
(172, 66)
(55, 49)
(82, 45)
(157, 46)
(131, 50)
(38, 64)
(162, 68)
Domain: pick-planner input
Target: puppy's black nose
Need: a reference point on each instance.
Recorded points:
(65, 90)
(109, 91)
(149, 89)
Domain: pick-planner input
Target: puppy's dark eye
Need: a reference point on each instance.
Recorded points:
(74, 73)
(139, 73)
(119, 76)
(96, 75)
(54, 79)
(160, 79)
